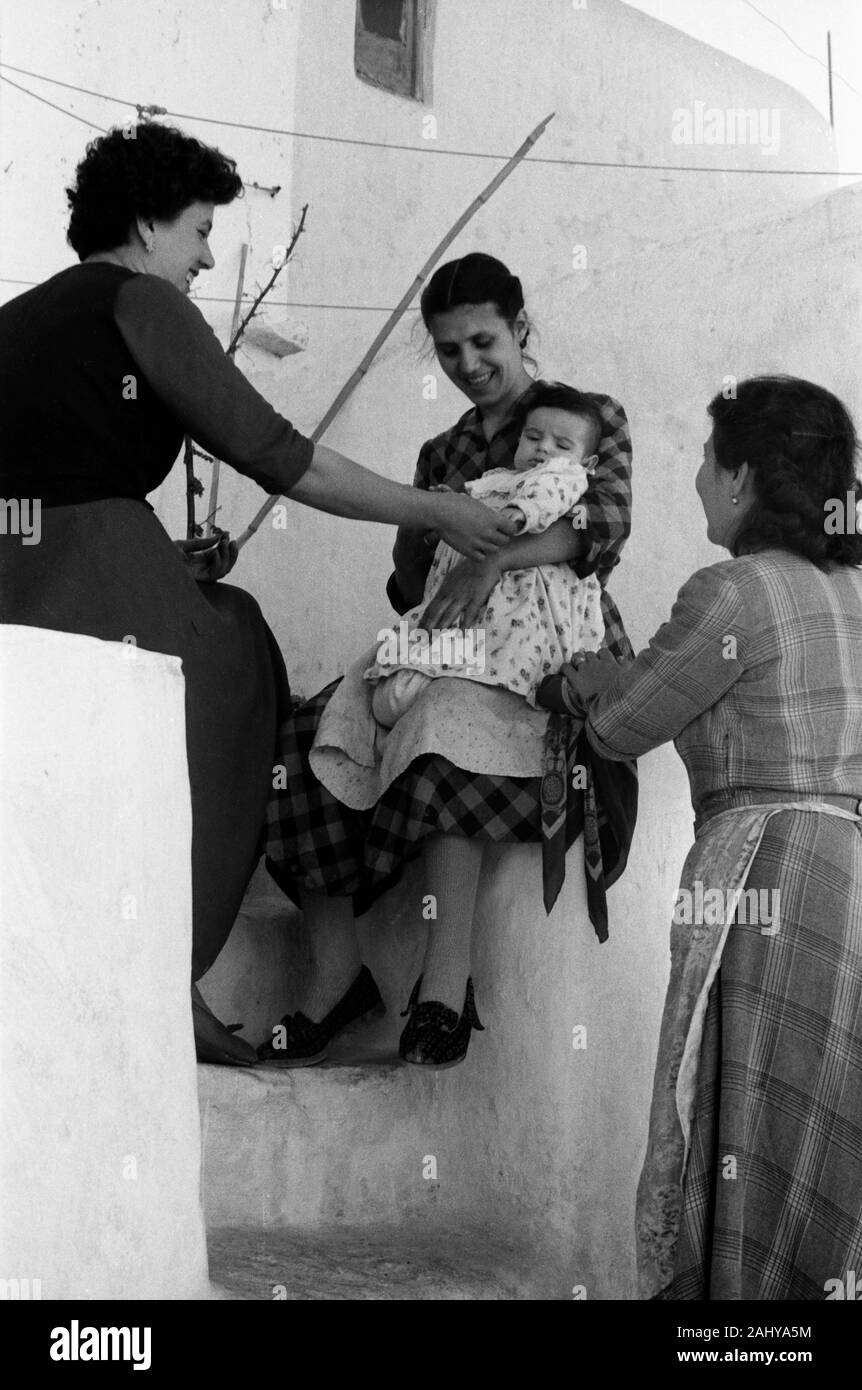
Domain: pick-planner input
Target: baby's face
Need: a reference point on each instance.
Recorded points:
(552, 433)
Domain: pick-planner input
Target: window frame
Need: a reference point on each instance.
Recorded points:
(380, 61)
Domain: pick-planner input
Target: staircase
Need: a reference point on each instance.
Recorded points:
(356, 1178)
(349, 1180)
(509, 1177)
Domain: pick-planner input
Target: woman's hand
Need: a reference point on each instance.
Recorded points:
(587, 674)
(469, 526)
(335, 484)
(209, 557)
(463, 594)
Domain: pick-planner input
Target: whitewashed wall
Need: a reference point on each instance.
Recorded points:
(615, 78)
(688, 277)
(100, 1151)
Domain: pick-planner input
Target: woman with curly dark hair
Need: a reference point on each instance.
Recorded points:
(752, 1184)
(103, 368)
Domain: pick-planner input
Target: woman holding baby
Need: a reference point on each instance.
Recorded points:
(752, 1183)
(462, 763)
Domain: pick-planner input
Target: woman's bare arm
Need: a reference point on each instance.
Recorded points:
(335, 484)
(184, 364)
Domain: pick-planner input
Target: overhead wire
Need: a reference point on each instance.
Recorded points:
(427, 148)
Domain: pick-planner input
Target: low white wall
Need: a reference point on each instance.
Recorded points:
(100, 1152)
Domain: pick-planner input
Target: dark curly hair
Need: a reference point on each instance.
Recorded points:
(557, 396)
(800, 442)
(474, 279)
(146, 170)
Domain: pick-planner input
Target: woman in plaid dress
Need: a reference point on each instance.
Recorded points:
(752, 1184)
(334, 860)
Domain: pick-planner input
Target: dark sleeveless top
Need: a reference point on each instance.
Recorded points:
(102, 372)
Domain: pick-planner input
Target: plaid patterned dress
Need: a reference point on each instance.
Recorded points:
(313, 841)
(757, 677)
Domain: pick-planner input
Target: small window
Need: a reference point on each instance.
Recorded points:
(390, 45)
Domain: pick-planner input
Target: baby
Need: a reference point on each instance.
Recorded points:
(535, 618)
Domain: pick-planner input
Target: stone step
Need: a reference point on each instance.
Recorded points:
(360, 1265)
(350, 1141)
(293, 1156)
(536, 1138)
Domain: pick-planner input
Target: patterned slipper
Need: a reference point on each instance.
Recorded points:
(305, 1042)
(435, 1036)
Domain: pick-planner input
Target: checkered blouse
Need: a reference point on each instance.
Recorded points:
(462, 453)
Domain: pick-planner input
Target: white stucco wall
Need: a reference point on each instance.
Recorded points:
(689, 277)
(614, 77)
(100, 1146)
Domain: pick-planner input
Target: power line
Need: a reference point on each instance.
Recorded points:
(248, 298)
(804, 51)
(70, 86)
(52, 104)
(432, 149)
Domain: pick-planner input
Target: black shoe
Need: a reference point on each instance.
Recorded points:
(214, 1041)
(305, 1042)
(435, 1036)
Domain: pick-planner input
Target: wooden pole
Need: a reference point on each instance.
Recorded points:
(297, 233)
(350, 385)
(237, 310)
(189, 465)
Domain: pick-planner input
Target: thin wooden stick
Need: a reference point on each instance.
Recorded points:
(300, 228)
(191, 487)
(237, 310)
(349, 386)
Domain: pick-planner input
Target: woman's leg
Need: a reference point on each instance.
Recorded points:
(331, 930)
(452, 865)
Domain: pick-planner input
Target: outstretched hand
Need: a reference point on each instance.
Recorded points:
(470, 527)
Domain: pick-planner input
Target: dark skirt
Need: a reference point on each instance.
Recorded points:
(315, 842)
(772, 1201)
(108, 569)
